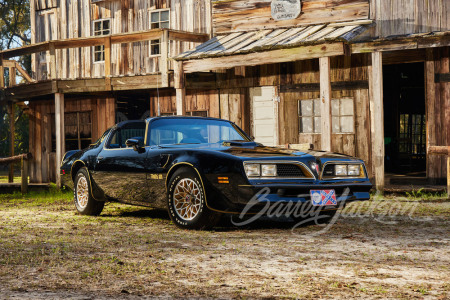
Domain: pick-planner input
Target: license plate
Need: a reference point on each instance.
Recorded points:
(323, 197)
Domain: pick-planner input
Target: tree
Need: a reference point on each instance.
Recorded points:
(14, 32)
(14, 23)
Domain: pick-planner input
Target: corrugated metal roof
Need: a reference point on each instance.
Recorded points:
(260, 40)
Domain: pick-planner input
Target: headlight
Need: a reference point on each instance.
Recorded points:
(252, 170)
(269, 170)
(340, 170)
(354, 170)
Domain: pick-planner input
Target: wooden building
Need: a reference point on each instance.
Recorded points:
(368, 78)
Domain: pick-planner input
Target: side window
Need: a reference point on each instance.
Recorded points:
(121, 135)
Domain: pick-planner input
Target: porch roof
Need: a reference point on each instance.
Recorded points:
(284, 45)
(271, 39)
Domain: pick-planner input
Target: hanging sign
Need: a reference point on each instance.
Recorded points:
(286, 9)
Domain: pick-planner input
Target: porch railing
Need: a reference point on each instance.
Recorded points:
(23, 159)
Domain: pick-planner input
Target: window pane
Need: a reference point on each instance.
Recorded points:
(155, 17)
(317, 107)
(306, 108)
(317, 124)
(106, 25)
(347, 124)
(307, 125)
(155, 50)
(97, 26)
(346, 107)
(335, 107)
(335, 126)
(165, 15)
(164, 25)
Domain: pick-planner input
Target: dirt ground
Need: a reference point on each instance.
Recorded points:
(386, 248)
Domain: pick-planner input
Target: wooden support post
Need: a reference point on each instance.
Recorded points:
(52, 67)
(430, 114)
(164, 64)
(23, 73)
(376, 104)
(60, 136)
(180, 88)
(108, 61)
(12, 76)
(2, 72)
(448, 175)
(12, 131)
(325, 102)
(24, 174)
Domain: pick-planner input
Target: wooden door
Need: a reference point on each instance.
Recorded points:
(264, 113)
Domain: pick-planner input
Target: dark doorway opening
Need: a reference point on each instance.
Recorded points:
(132, 107)
(405, 119)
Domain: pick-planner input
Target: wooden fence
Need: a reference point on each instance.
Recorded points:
(23, 159)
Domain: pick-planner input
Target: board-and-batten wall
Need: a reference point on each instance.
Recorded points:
(400, 17)
(42, 166)
(73, 19)
(242, 15)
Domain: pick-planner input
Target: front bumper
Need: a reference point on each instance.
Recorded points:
(260, 193)
(301, 193)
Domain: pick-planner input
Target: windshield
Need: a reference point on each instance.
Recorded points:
(101, 138)
(193, 131)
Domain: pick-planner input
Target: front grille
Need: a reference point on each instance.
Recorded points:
(328, 171)
(289, 170)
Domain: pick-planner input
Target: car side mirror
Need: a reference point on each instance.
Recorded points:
(133, 143)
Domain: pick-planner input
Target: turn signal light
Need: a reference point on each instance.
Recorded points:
(223, 179)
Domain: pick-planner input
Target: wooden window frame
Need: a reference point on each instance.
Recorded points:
(101, 47)
(353, 115)
(157, 42)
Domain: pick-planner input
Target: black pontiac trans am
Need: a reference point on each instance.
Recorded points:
(200, 168)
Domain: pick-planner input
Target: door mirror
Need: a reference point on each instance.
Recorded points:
(133, 143)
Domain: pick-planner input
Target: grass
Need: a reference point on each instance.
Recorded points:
(5, 179)
(36, 199)
(45, 245)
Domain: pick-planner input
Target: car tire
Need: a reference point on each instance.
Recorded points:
(187, 202)
(82, 194)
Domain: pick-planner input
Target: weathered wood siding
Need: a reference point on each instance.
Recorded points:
(242, 15)
(399, 17)
(438, 109)
(43, 164)
(73, 19)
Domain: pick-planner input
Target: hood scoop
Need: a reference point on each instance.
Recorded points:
(240, 144)
(259, 149)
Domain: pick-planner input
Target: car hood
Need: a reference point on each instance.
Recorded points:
(255, 150)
